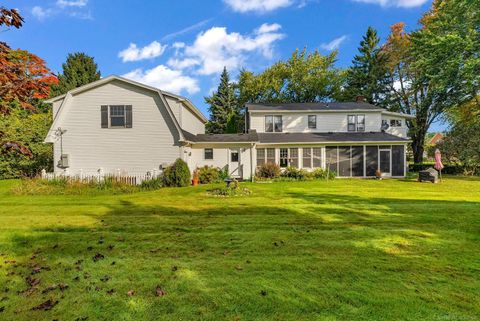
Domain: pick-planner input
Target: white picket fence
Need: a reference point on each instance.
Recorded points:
(126, 178)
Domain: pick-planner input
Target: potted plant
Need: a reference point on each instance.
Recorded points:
(195, 178)
(378, 174)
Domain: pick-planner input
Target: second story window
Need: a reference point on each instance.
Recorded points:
(312, 121)
(356, 123)
(273, 123)
(395, 123)
(116, 116)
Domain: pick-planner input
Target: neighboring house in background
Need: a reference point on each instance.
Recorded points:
(435, 139)
(119, 126)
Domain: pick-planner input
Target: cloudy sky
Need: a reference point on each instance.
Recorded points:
(181, 46)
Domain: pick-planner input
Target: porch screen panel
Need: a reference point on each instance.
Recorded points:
(357, 160)
(332, 158)
(260, 156)
(344, 167)
(307, 158)
(271, 155)
(317, 157)
(294, 157)
(372, 160)
(398, 160)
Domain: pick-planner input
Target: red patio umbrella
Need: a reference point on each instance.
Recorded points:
(438, 162)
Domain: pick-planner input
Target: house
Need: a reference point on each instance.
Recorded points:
(119, 126)
(436, 138)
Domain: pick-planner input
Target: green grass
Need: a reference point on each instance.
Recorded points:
(337, 250)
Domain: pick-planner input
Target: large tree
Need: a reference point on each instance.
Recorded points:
(304, 77)
(410, 90)
(78, 70)
(447, 47)
(368, 75)
(223, 107)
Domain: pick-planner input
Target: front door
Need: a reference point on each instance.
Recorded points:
(385, 162)
(234, 163)
(283, 157)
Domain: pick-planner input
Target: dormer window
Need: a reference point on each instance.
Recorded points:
(312, 121)
(356, 123)
(273, 124)
(395, 123)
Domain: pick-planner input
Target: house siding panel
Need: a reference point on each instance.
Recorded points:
(152, 141)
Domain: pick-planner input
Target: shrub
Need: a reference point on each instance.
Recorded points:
(295, 174)
(320, 173)
(233, 190)
(177, 175)
(224, 173)
(208, 174)
(152, 184)
(268, 170)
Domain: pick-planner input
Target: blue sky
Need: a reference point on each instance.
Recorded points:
(181, 46)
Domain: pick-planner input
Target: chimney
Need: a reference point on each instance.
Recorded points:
(361, 99)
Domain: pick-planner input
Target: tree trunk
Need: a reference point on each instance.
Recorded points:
(418, 139)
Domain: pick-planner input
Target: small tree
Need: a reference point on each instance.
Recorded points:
(78, 70)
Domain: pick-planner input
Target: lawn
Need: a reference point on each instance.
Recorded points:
(337, 250)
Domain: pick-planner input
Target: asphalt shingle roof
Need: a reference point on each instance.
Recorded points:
(333, 106)
(222, 138)
(328, 137)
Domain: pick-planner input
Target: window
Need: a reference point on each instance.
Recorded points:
(351, 123)
(271, 155)
(273, 123)
(356, 123)
(265, 156)
(360, 123)
(283, 157)
(312, 121)
(260, 156)
(294, 157)
(395, 123)
(317, 157)
(116, 116)
(208, 153)
(307, 157)
(234, 156)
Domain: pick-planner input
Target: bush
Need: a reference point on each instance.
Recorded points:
(448, 169)
(320, 173)
(295, 174)
(152, 184)
(224, 173)
(233, 190)
(177, 175)
(208, 174)
(268, 170)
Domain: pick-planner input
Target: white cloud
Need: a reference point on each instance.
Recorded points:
(396, 3)
(133, 53)
(334, 44)
(72, 3)
(166, 79)
(259, 6)
(41, 13)
(216, 48)
(71, 8)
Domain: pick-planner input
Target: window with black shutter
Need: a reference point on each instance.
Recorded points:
(116, 116)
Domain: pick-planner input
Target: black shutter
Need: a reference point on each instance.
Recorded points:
(104, 113)
(128, 116)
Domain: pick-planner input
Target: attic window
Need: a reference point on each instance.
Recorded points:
(116, 116)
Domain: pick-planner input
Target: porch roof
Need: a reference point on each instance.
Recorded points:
(288, 138)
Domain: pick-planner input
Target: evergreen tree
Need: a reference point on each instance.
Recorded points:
(368, 75)
(78, 70)
(224, 112)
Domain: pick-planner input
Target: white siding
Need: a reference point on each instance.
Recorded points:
(398, 131)
(221, 157)
(185, 117)
(153, 140)
(56, 106)
(326, 122)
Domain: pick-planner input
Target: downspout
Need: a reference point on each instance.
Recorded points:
(252, 174)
